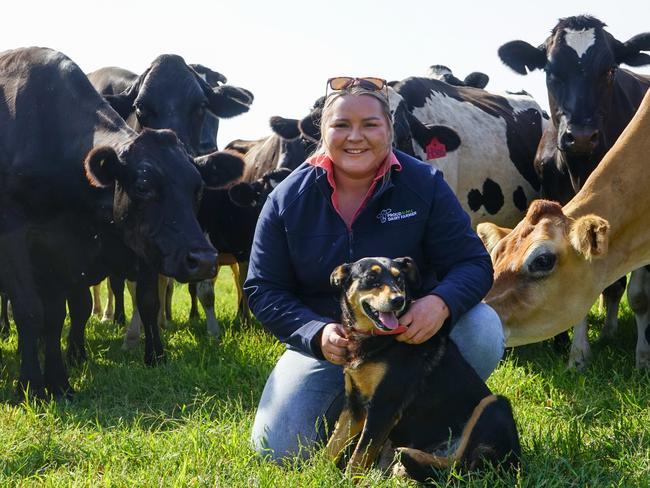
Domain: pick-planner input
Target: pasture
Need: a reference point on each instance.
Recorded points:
(187, 423)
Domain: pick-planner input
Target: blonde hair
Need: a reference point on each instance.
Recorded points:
(354, 90)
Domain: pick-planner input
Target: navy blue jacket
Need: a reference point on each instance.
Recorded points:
(300, 239)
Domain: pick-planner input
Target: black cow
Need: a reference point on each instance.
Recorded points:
(591, 101)
(230, 217)
(82, 194)
(170, 94)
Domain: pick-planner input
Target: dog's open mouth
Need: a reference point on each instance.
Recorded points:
(383, 320)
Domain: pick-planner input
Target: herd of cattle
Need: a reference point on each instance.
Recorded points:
(114, 174)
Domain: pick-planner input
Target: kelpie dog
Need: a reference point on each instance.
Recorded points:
(425, 399)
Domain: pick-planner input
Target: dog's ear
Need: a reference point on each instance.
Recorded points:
(410, 270)
(339, 275)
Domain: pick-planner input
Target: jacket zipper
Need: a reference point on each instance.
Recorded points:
(350, 242)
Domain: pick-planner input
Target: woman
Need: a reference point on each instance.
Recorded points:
(357, 198)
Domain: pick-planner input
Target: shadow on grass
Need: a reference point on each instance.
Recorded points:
(200, 374)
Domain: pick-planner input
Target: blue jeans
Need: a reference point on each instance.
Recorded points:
(303, 396)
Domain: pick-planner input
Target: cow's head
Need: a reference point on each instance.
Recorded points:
(581, 61)
(254, 194)
(157, 192)
(544, 274)
(295, 145)
(172, 95)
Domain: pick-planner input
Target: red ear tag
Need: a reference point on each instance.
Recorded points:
(435, 149)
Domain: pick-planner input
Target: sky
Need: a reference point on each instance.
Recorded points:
(284, 50)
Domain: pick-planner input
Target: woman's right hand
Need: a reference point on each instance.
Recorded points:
(334, 344)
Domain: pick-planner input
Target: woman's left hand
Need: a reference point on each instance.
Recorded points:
(424, 318)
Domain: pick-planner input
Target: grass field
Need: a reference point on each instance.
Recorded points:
(187, 423)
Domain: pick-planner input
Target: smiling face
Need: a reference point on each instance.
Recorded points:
(357, 136)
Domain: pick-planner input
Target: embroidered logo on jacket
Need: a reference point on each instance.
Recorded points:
(387, 215)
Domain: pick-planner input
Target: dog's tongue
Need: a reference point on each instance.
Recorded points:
(388, 320)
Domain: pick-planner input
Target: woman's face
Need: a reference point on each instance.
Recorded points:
(357, 136)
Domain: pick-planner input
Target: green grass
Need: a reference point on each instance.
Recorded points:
(187, 423)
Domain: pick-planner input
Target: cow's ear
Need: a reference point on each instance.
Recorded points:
(103, 167)
(630, 52)
(285, 128)
(491, 234)
(423, 134)
(477, 79)
(410, 270)
(519, 55)
(227, 101)
(123, 102)
(589, 235)
(219, 168)
(340, 275)
(448, 136)
(243, 195)
(310, 126)
(212, 78)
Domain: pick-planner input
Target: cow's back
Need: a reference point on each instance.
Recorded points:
(50, 118)
(492, 171)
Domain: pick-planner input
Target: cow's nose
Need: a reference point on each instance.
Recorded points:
(201, 265)
(583, 140)
(397, 302)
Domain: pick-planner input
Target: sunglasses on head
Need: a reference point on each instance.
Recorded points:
(367, 83)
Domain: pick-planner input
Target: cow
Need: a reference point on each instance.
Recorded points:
(475, 79)
(490, 163)
(82, 194)
(231, 216)
(593, 240)
(591, 100)
(171, 94)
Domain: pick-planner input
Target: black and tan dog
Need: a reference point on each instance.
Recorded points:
(425, 399)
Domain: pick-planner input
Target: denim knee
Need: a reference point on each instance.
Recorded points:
(479, 337)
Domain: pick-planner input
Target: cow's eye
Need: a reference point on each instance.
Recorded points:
(542, 264)
(144, 191)
(142, 113)
(611, 73)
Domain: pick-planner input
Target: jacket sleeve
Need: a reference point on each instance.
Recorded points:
(458, 267)
(271, 283)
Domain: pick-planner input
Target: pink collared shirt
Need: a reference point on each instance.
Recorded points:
(325, 162)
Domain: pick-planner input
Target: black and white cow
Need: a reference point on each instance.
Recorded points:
(490, 166)
(475, 79)
(591, 101)
(82, 194)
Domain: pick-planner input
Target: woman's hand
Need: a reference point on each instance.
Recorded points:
(424, 318)
(334, 344)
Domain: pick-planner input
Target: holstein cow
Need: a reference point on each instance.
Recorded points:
(82, 194)
(601, 234)
(591, 101)
(490, 167)
(187, 99)
(440, 72)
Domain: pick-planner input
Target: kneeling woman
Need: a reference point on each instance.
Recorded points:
(357, 198)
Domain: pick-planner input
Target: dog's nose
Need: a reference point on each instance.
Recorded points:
(397, 302)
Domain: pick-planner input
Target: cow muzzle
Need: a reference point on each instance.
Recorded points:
(579, 140)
